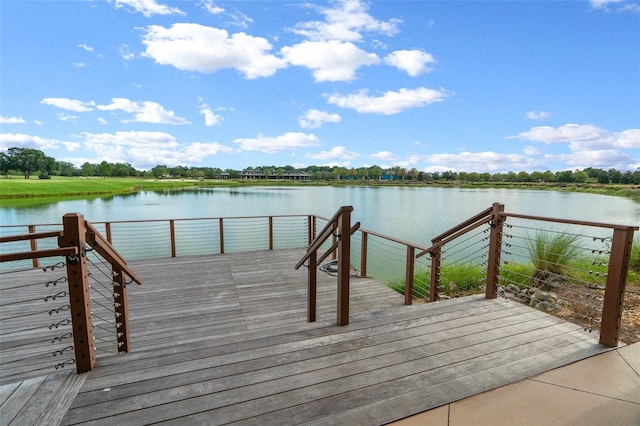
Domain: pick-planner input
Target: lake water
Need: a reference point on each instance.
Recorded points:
(414, 214)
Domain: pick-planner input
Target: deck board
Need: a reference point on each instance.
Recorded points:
(224, 339)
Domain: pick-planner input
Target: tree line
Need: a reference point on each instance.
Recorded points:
(28, 161)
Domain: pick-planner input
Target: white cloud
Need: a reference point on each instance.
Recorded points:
(11, 120)
(211, 8)
(531, 150)
(589, 145)
(629, 138)
(413, 62)
(194, 47)
(145, 112)
(314, 119)
(538, 115)
(148, 7)
(125, 52)
(102, 121)
(147, 149)
(79, 64)
(67, 117)
(336, 153)
(562, 134)
(482, 162)
(604, 158)
(271, 145)
(9, 140)
(85, 47)
(615, 5)
(69, 104)
(198, 150)
(210, 117)
(388, 103)
(583, 137)
(330, 60)
(345, 20)
(387, 156)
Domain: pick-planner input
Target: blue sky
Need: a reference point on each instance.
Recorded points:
(484, 86)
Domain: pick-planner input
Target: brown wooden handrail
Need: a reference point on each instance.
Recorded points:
(38, 254)
(110, 254)
(323, 235)
(570, 221)
(341, 221)
(458, 230)
(25, 237)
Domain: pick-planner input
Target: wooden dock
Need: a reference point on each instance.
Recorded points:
(224, 339)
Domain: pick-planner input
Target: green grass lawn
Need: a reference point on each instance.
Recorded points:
(59, 186)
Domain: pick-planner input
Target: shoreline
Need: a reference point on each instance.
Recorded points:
(73, 188)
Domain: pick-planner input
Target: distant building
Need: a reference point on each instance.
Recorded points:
(274, 175)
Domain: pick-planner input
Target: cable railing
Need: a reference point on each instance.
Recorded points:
(490, 253)
(86, 297)
(339, 230)
(576, 270)
(35, 322)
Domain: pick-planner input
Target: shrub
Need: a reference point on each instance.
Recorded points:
(551, 255)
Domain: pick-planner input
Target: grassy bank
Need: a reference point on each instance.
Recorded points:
(27, 190)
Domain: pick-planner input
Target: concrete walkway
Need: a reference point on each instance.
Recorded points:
(601, 390)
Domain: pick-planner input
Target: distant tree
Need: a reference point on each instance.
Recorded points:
(413, 173)
(233, 174)
(614, 176)
(602, 177)
(87, 169)
(580, 176)
(548, 176)
(376, 171)
(5, 164)
(449, 175)
(523, 177)
(104, 169)
(67, 169)
(159, 171)
(28, 161)
(565, 176)
(363, 173)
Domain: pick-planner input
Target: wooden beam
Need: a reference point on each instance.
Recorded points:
(66, 251)
(74, 235)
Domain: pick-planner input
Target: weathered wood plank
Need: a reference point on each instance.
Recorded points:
(19, 398)
(217, 339)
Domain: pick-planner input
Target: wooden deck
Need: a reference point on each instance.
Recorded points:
(224, 339)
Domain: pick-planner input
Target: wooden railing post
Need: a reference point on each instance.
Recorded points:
(270, 232)
(616, 283)
(436, 260)
(172, 232)
(221, 237)
(311, 226)
(74, 235)
(311, 287)
(495, 247)
(334, 238)
(120, 305)
(363, 254)
(34, 246)
(344, 264)
(408, 276)
(107, 230)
